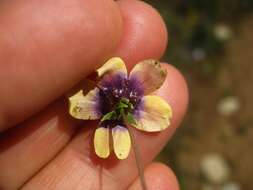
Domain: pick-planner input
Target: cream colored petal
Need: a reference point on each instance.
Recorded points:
(154, 114)
(101, 142)
(85, 107)
(148, 75)
(121, 142)
(114, 64)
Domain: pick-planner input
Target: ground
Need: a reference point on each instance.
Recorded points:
(205, 130)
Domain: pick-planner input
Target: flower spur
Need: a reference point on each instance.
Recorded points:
(119, 100)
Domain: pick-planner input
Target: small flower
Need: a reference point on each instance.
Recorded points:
(119, 100)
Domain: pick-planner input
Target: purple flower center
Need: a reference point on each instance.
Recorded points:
(116, 88)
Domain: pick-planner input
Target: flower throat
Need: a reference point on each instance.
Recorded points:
(118, 103)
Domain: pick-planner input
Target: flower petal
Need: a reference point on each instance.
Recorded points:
(153, 114)
(114, 64)
(121, 142)
(101, 142)
(85, 107)
(148, 74)
(112, 75)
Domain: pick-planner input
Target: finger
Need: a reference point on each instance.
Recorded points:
(46, 47)
(77, 166)
(158, 177)
(30, 163)
(26, 148)
(151, 41)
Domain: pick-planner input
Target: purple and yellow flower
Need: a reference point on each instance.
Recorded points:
(119, 100)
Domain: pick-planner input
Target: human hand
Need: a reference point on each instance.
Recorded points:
(46, 47)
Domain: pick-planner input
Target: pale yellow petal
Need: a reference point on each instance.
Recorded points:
(85, 107)
(148, 75)
(101, 142)
(114, 64)
(121, 142)
(153, 115)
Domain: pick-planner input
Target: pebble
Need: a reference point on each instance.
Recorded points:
(223, 32)
(198, 54)
(228, 106)
(231, 186)
(215, 169)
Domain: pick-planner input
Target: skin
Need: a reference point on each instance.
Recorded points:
(46, 48)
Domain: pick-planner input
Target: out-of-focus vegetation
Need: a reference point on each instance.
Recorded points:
(192, 24)
(211, 42)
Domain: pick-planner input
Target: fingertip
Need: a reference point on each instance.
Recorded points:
(158, 176)
(175, 92)
(144, 32)
(162, 176)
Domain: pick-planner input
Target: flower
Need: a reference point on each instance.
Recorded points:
(119, 100)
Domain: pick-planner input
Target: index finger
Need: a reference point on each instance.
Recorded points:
(46, 47)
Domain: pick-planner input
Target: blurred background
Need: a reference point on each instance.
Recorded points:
(211, 42)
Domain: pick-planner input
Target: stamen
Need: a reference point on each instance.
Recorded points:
(103, 89)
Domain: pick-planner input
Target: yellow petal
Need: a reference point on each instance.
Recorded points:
(153, 115)
(148, 74)
(85, 107)
(121, 142)
(101, 142)
(114, 64)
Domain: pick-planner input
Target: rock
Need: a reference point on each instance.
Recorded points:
(215, 169)
(231, 186)
(198, 54)
(228, 106)
(222, 32)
